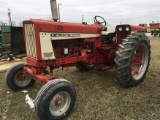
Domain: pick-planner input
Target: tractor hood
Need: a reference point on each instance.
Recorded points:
(64, 27)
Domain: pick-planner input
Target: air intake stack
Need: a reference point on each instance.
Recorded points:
(54, 10)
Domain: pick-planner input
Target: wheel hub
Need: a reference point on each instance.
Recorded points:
(58, 102)
(20, 76)
(139, 61)
(22, 79)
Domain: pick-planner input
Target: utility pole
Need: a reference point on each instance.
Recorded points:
(9, 15)
(59, 11)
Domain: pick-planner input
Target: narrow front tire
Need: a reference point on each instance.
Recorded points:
(16, 79)
(55, 100)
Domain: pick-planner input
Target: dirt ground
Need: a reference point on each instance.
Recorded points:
(5, 64)
(99, 96)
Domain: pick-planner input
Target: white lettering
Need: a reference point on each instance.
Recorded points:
(64, 35)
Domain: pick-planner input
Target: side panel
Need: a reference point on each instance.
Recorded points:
(46, 46)
(6, 34)
(5, 28)
(6, 37)
(17, 40)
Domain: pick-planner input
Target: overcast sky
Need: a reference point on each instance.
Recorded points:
(114, 11)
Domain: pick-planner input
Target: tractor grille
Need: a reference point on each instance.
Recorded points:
(30, 40)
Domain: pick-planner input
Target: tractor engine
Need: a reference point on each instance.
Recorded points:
(55, 44)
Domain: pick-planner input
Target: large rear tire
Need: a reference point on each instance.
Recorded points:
(15, 79)
(55, 100)
(132, 60)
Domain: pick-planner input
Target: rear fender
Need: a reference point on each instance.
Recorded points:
(123, 31)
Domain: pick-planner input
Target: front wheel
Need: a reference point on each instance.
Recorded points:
(16, 79)
(55, 100)
(132, 60)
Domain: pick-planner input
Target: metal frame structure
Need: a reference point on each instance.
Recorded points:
(12, 41)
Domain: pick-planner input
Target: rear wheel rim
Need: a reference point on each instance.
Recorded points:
(140, 61)
(59, 103)
(22, 80)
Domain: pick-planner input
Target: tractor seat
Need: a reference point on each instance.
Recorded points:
(105, 32)
(107, 37)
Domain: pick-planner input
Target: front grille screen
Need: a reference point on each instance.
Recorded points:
(30, 40)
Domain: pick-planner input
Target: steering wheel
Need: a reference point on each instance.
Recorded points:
(103, 22)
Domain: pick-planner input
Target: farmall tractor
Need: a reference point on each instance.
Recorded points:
(53, 44)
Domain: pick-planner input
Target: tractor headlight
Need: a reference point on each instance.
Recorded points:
(127, 28)
(120, 28)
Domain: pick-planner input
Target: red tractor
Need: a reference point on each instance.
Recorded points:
(52, 44)
(155, 29)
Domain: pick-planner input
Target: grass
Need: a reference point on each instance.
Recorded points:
(99, 96)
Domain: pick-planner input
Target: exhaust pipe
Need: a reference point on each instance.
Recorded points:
(54, 10)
